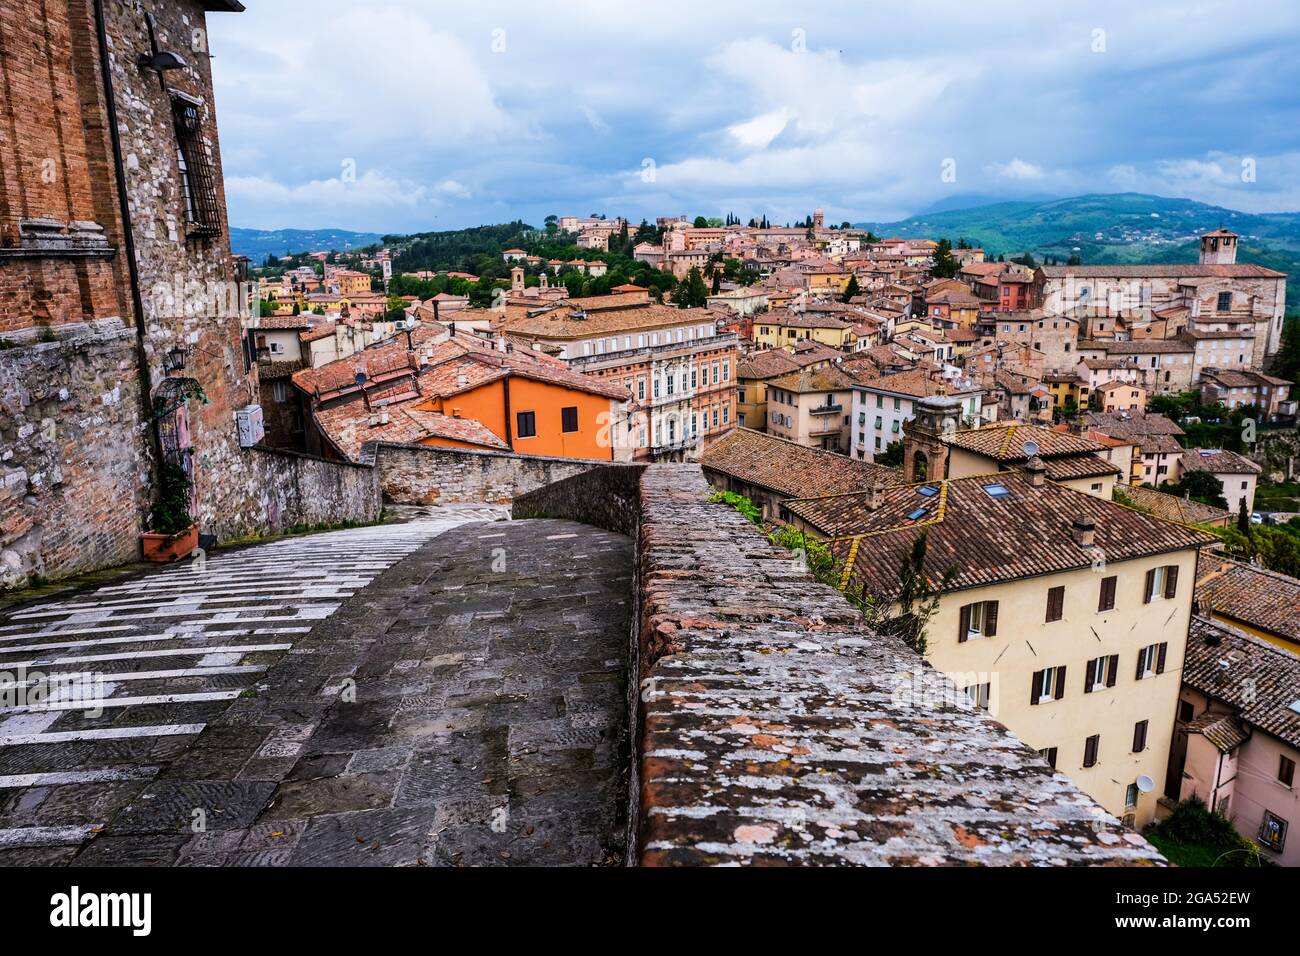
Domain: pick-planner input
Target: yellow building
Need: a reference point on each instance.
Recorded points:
(1061, 613)
(351, 283)
(757, 369)
(783, 328)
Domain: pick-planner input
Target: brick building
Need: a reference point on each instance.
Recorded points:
(120, 314)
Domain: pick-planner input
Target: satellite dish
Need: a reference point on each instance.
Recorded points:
(1145, 784)
(1031, 449)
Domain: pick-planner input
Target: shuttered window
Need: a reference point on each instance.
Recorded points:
(1140, 736)
(569, 419)
(1101, 673)
(1106, 601)
(1090, 748)
(1055, 604)
(977, 620)
(1048, 684)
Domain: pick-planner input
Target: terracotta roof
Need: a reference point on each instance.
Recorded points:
(1080, 466)
(1225, 731)
(459, 363)
(1006, 443)
(1173, 508)
(1134, 425)
(988, 535)
(916, 383)
(1260, 680)
(828, 378)
(789, 468)
(1219, 461)
(1262, 599)
(322, 330)
(348, 427)
(597, 317)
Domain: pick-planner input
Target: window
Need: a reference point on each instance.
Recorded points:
(880, 401)
(526, 425)
(1049, 684)
(977, 620)
(980, 694)
(1272, 831)
(672, 381)
(1090, 747)
(1161, 582)
(1049, 754)
(198, 179)
(277, 389)
(1286, 770)
(1185, 711)
(726, 414)
(1151, 660)
(1055, 603)
(1140, 736)
(640, 390)
(569, 419)
(1225, 302)
(1106, 601)
(1131, 796)
(1102, 672)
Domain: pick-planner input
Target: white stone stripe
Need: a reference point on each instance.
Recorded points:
(102, 642)
(111, 678)
(133, 655)
(47, 836)
(105, 733)
(122, 611)
(57, 778)
(106, 703)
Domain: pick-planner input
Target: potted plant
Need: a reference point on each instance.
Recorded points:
(173, 533)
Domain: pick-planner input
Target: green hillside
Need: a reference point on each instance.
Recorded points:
(1120, 227)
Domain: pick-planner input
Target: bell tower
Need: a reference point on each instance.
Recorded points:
(1219, 248)
(925, 456)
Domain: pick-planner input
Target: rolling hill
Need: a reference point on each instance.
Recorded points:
(257, 244)
(1111, 228)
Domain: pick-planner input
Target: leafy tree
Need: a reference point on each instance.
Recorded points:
(693, 293)
(945, 266)
(852, 289)
(1199, 486)
(892, 456)
(265, 308)
(1243, 518)
(701, 222)
(1287, 361)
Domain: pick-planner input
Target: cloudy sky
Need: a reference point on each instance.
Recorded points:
(429, 114)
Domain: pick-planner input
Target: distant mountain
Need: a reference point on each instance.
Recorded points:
(1110, 228)
(257, 244)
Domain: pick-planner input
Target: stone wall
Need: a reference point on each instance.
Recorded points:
(426, 475)
(282, 489)
(772, 728)
(73, 474)
(607, 497)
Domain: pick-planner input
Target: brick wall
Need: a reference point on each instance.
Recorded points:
(425, 475)
(73, 479)
(772, 728)
(284, 488)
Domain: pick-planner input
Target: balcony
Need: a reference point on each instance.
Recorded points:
(827, 410)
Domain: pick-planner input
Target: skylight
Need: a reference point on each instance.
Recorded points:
(997, 490)
(1294, 705)
(917, 514)
(927, 491)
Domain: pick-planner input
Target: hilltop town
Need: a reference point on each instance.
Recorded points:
(927, 555)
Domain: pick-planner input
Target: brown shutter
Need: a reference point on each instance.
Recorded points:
(1107, 599)
(1055, 603)
(1112, 671)
(1091, 675)
(1037, 690)
(1151, 583)
(1160, 658)
(1139, 736)
(990, 618)
(1171, 581)
(1090, 751)
(1060, 682)
(1138, 673)
(963, 624)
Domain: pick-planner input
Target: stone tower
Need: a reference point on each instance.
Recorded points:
(925, 456)
(819, 219)
(1219, 248)
(517, 280)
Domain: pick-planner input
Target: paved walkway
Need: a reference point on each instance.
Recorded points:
(322, 700)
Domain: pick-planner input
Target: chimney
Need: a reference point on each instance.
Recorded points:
(1083, 529)
(876, 498)
(1036, 472)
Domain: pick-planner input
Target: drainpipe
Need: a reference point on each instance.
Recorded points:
(128, 238)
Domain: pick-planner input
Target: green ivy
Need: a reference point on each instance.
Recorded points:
(171, 510)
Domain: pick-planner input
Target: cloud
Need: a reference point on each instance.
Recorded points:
(462, 114)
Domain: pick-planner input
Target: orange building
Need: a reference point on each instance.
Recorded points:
(462, 391)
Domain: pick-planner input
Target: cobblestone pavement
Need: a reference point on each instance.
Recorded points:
(464, 706)
(164, 654)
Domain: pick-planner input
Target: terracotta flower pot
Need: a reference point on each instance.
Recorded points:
(164, 548)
